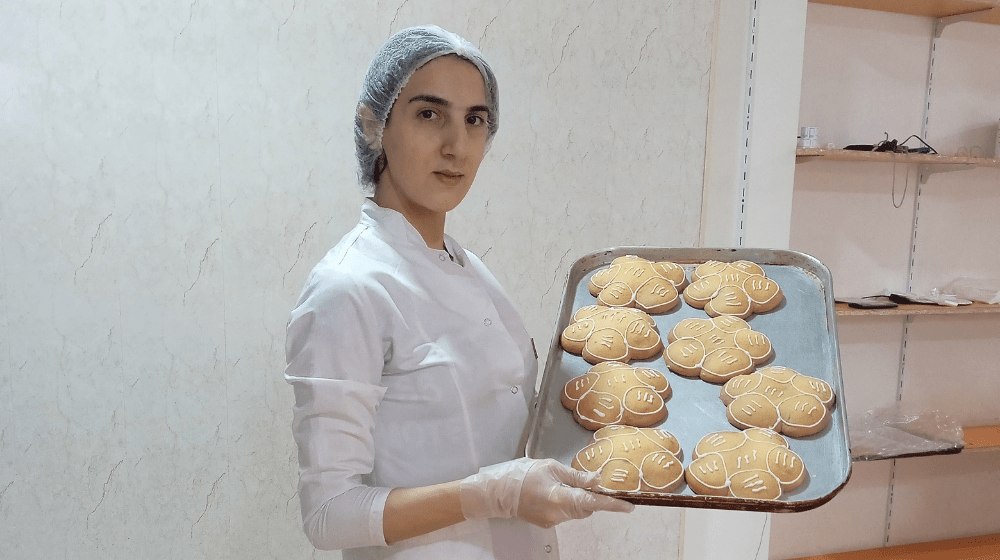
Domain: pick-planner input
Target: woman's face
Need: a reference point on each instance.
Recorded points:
(434, 140)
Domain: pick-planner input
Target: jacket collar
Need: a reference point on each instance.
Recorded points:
(396, 228)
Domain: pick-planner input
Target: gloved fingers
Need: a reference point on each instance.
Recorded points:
(553, 493)
(560, 504)
(584, 502)
(607, 503)
(494, 490)
(572, 477)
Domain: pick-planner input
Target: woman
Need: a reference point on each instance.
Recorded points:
(413, 373)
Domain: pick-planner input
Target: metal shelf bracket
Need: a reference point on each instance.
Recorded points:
(925, 170)
(943, 22)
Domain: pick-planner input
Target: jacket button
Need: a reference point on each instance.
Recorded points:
(487, 322)
(514, 389)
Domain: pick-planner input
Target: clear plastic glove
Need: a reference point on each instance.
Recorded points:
(543, 492)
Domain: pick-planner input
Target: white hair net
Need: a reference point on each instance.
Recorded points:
(402, 55)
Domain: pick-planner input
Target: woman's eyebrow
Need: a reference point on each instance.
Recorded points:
(430, 99)
(435, 100)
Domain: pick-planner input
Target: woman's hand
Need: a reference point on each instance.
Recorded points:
(540, 491)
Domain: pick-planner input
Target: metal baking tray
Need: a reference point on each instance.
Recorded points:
(802, 331)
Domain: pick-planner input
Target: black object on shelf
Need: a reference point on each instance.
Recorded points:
(869, 302)
(894, 146)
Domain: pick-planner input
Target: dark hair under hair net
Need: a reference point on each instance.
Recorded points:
(402, 55)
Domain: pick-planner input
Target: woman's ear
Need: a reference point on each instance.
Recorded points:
(371, 127)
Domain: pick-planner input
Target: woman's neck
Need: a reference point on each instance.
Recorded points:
(429, 224)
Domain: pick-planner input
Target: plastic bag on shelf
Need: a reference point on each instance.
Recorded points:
(935, 297)
(899, 431)
(986, 290)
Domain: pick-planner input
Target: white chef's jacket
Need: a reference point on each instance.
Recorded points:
(409, 369)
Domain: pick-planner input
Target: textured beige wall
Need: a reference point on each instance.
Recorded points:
(171, 172)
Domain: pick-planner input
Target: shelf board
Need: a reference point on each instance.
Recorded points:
(986, 547)
(809, 154)
(981, 437)
(932, 449)
(974, 438)
(927, 8)
(975, 308)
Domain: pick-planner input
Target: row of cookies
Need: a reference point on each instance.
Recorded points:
(775, 398)
(715, 349)
(737, 289)
(753, 464)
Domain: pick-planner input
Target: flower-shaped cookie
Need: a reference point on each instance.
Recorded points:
(756, 464)
(739, 289)
(780, 399)
(716, 349)
(632, 281)
(633, 459)
(605, 334)
(617, 393)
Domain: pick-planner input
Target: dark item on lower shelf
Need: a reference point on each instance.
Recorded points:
(908, 298)
(869, 302)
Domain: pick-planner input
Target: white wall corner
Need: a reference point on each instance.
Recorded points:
(780, 46)
(722, 193)
(748, 203)
(710, 534)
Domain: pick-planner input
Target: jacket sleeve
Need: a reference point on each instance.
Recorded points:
(334, 354)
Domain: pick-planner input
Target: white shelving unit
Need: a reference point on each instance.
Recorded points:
(866, 71)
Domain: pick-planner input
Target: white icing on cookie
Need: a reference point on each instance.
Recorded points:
(779, 398)
(755, 464)
(736, 289)
(632, 281)
(715, 349)
(616, 393)
(633, 459)
(602, 334)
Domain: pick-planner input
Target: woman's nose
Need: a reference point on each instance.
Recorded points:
(455, 139)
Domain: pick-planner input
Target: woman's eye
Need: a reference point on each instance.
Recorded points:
(475, 120)
(426, 114)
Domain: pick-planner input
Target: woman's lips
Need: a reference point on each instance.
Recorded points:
(450, 177)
